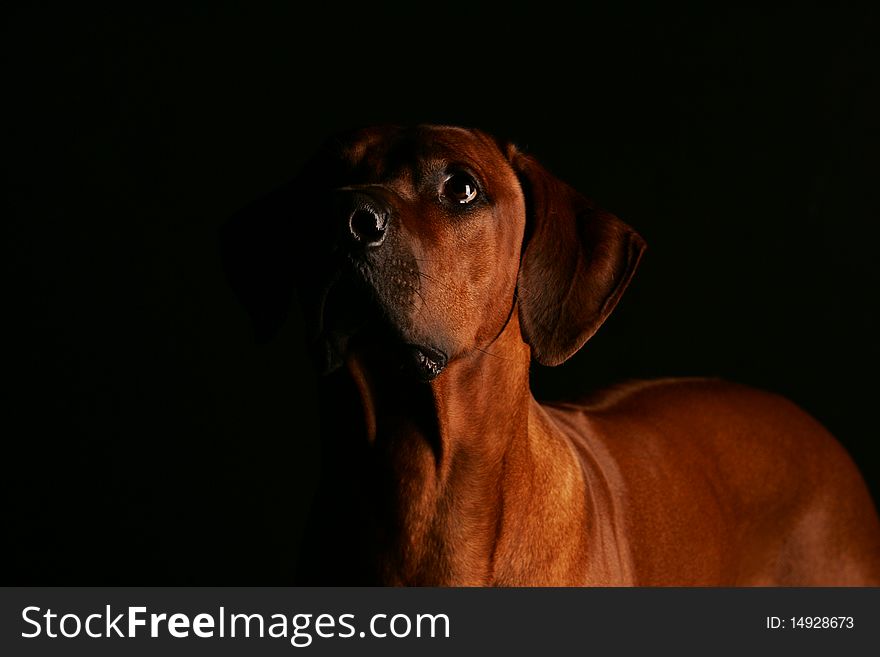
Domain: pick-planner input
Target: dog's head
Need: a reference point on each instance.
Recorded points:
(426, 240)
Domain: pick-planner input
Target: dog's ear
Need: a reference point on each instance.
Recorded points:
(576, 262)
(257, 255)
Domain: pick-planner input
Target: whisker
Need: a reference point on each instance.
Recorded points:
(434, 280)
(489, 353)
(424, 303)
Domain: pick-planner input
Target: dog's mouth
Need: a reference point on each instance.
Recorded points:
(349, 318)
(425, 363)
(412, 362)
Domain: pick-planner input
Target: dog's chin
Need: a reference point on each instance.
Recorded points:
(415, 362)
(423, 362)
(395, 356)
(353, 321)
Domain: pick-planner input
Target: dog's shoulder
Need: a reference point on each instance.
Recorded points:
(692, 400)
(737, 431)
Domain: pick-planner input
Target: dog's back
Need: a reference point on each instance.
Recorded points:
(693, 458)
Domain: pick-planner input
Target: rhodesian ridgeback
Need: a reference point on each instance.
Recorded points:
(432, 265)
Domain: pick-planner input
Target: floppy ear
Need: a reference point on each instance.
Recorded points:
(577, 260)
(257, 255)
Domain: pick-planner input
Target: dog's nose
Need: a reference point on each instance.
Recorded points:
(367, 226)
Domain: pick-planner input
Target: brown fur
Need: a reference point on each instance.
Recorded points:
(467, 480)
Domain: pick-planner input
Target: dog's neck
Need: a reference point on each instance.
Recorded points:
(437, 462)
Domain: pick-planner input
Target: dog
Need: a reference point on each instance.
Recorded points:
(432, 264)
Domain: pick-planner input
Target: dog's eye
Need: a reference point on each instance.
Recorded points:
(460, 188)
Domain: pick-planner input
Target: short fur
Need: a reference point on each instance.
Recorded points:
(464, 479)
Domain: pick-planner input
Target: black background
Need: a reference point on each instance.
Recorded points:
(150, 440)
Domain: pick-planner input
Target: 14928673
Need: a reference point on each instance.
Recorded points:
(810, 623)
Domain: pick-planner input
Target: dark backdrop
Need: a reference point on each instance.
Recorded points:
(149, 440)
